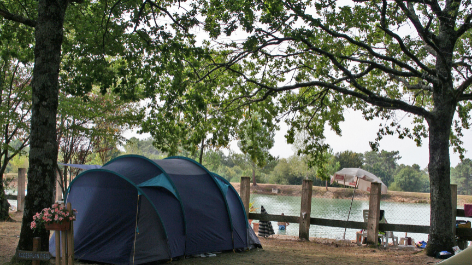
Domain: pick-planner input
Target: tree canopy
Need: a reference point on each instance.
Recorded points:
(119, 46)
(311, 59)
(382, 164)
(380, 57)
(462, 176)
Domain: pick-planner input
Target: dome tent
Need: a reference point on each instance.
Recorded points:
(134, 210)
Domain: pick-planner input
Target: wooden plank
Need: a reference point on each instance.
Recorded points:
(33, 255)
(464, 232)
(64, 247)
(305, 210)
(349, 224)
(278, 218)
(245, 193)
(70, 239)
(461, 213)
(57, 235)
(422, 229)
(374, 213)
(36, 248)
(338, 223)
(11, 197)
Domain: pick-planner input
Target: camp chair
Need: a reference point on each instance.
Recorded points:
(383, 237)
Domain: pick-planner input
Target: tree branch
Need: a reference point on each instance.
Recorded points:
(371, 98)
(16, 18)
(367, 47)
(460, 90)
(464, 97)
(422, 32)
(466, 26)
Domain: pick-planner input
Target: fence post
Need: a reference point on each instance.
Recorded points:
(245, 193)
(454, 207)
(58, 187)
(70, 239)
(305, 210)
(57, 238)
(36, 247)
(21, 189)
(374, 213)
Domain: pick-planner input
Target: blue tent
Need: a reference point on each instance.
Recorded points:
(134, 210)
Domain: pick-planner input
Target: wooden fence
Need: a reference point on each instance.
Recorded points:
(372, 226)
(20, 197)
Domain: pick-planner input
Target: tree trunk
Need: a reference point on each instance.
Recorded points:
(202, 145)
(4, 205)
(440, 235)
(254, 175)
(43, 141)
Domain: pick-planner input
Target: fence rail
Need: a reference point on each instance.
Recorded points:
(461, 233)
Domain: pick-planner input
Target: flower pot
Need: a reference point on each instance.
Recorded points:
(64, 226)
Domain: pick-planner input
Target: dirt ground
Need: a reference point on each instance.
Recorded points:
(276, 250)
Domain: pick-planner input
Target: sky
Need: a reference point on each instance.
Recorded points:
(356, 134)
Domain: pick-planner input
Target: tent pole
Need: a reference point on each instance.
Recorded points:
(345, 228)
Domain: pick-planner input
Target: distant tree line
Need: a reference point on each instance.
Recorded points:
(292, 170)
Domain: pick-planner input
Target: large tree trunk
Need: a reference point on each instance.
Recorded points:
(4, 205)
(441, 236)
(43, 143)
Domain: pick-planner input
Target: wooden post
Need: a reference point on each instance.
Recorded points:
(454, 207)
(36, 247)
(58, 246)
(70, 239)
(64, 247)
(21, 189)
(245, 192)
(374, 213)
(305, 210)
(58, 187)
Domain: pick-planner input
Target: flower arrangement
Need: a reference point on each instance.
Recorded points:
(58, 213)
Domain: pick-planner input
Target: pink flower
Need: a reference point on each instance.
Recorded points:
(55, 205)
(33, 225)
(55, 218)
(60, 218)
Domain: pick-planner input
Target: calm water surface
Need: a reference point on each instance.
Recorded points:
(338, 209)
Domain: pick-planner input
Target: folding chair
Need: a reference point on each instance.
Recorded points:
(383, 236)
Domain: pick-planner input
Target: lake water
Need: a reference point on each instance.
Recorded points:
(338, 209)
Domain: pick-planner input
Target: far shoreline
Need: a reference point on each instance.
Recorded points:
(346, 193)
